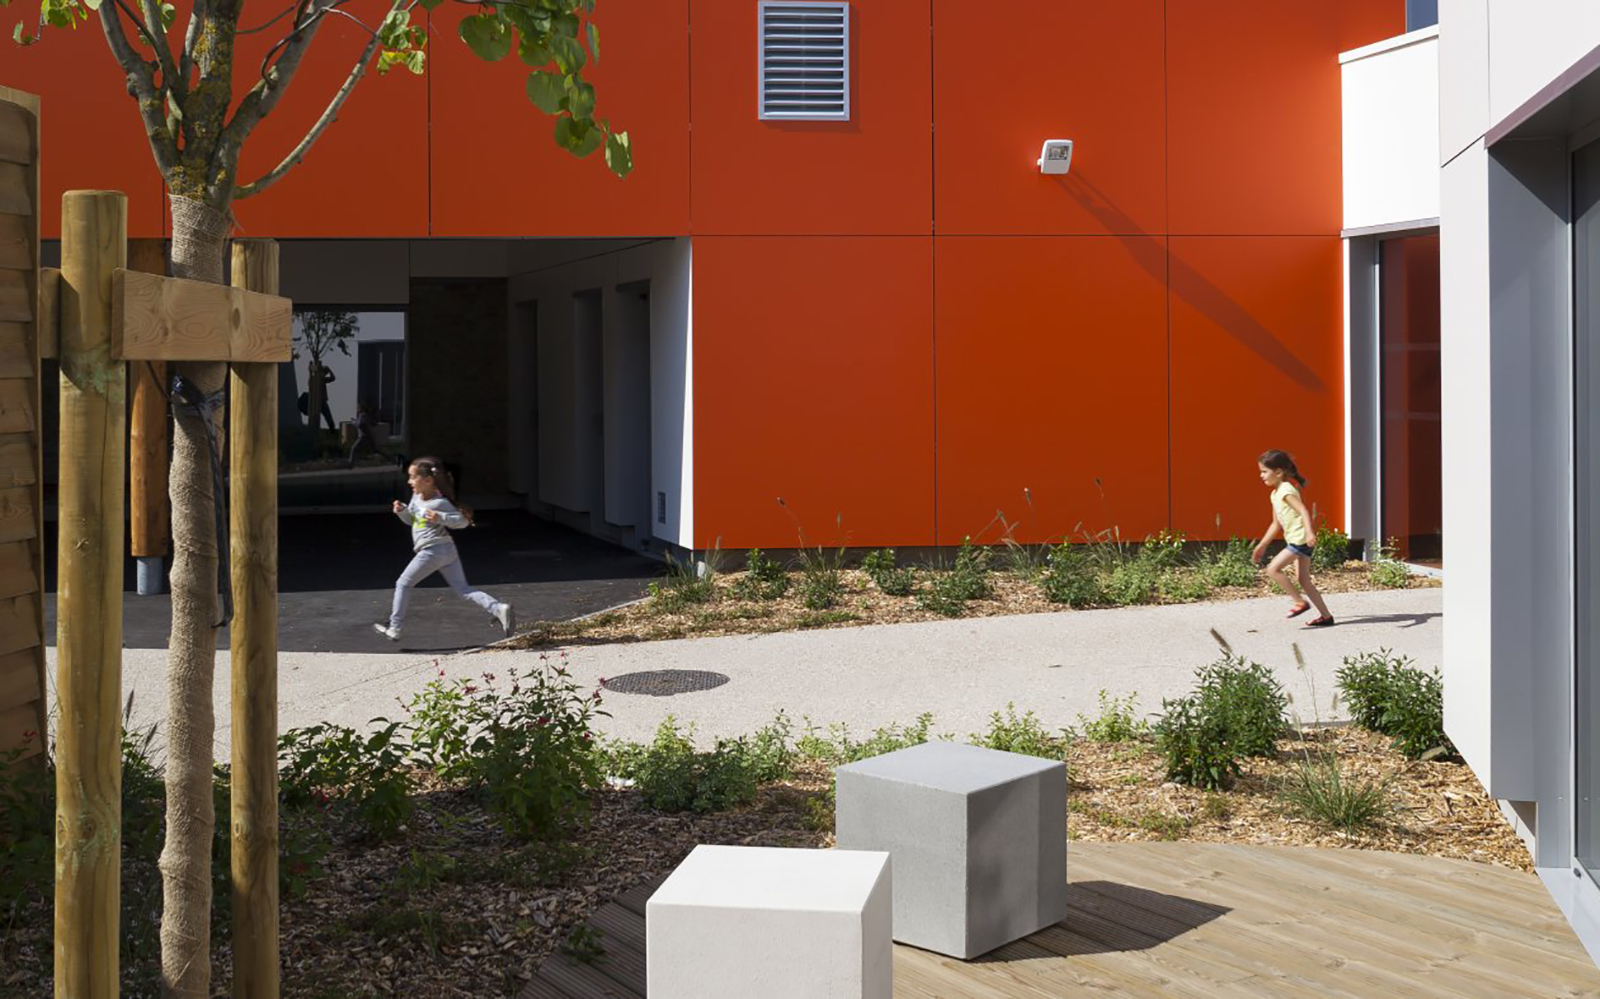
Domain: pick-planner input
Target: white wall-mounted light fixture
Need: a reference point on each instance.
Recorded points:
(1056, 156)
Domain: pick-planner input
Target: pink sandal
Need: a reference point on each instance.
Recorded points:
(1325, 621)
(1298, 609)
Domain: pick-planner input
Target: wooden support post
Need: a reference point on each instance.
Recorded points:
(94, 229)
(149, 536)
(253, 558)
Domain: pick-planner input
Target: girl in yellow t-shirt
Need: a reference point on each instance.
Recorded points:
(1289, 516)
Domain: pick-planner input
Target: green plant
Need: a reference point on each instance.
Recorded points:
(1387, 571)
(362, 774)
(1230, 565)
(763, 578)
(1131, 582)
(1163, 550)
(1194, 737)
(1249, 701)
(943, 595)
(584, 944)
(525, 744)
(835, 745)
(1389, 695)
(824, 618)
(1217, 808)
(687, 582)
(673, 777)
(1014, 734)
(1163, 825)
(27, 828)
(1183, 585)
(896, 581)
(969, 576)
(423, 871)
(1069, 578)
(1331, 548)
(821, 569)
(1319, 789)
(1116, 721)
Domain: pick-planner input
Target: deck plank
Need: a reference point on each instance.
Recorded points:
(1215, 920)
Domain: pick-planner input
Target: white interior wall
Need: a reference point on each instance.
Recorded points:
(1391, 135)
(564, 391)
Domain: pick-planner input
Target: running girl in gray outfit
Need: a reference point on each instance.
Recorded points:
(432, 514)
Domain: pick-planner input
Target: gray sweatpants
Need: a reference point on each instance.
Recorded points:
(435, 558)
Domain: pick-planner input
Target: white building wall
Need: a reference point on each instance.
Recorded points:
(1463, 75)
(544, 288)
(1530, 43)
(1391, 139)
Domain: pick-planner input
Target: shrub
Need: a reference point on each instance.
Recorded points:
(1131, 583)
(820, 586)
(968, 578)
(835, 746)
(1331, 548)
(673, 777)
(1248, 699)
(1013, 734)
(525, 745)
(763, 578)
(27, 829)
(1231, 566)
(1194, 737)
(1163, 550)
(1070, 579)
(363, 776)
(943, 595)
(1388, 695)
(686, 583)
(894, 580)
(1319, 789)
(1116, 721)
(1183, 585)
(1387, 571)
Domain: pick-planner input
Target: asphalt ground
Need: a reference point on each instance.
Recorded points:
(336, 575)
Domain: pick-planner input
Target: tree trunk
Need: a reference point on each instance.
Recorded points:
(316, 392)
(199, 238)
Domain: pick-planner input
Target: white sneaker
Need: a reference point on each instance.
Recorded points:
(506, 617)
(392, 634)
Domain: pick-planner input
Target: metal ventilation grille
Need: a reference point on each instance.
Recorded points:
(805, 61)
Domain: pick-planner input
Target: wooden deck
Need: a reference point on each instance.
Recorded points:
(1221, 920)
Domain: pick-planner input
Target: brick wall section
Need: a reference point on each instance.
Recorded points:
(456, 371)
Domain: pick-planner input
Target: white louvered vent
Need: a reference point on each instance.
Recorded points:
(805, 61)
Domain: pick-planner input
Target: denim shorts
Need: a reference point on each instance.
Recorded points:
(1301, 550)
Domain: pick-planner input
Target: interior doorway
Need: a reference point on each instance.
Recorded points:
(1410, 482)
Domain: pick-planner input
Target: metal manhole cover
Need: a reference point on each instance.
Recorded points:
(665, 682)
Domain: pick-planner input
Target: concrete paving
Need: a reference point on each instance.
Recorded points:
(961, 670)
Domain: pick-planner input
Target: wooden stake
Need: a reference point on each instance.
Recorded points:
(253, 558)
(147, 435)
(94, 228)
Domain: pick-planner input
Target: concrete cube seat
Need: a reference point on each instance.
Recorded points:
(978, 838)
(738, 922)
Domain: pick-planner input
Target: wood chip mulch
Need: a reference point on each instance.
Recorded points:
(863, 603)
(455, 908)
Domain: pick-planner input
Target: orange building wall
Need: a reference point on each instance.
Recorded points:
(896, 319)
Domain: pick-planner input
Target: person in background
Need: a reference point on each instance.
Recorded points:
(1289, 515)
(364, 438)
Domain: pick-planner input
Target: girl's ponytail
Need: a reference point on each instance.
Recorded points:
(1280, 461)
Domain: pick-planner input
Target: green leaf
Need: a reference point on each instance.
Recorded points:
(21, 39)
(619, 154)
(546, 91)
(487, 36)
(580, 138)
(169, 13)
(580, 97)
(569, 54)
(532, 53)
(429, 4)
(594, 41)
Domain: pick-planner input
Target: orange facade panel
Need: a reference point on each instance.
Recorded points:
(1253, 117)
(870, 175)
(367, 175)
(1052, 375)
(1089, 72)
(1257, 363)
(813, 381)
(496, 169)
(90, 134)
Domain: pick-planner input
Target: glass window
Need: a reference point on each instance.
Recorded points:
(1411, 511)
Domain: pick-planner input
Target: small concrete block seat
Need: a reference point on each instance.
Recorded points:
(740, 922)
(978, 837)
